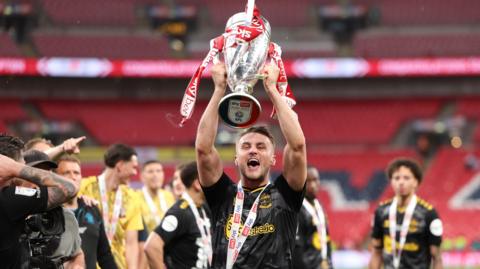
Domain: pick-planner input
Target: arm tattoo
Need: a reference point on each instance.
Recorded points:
(60, 190)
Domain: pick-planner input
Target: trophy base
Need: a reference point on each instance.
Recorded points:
(239, 110)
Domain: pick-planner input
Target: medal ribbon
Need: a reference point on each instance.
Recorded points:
(110, 222)
(203, 225)
(319, 220)
(151, 204)
(237, 237)
(392, 216)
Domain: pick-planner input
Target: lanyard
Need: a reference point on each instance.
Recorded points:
(203, 225)
(319, 221)
(237, 237)
(110, 223)
(151, 204)
(392, 216)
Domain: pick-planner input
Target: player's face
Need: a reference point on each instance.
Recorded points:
(255, 156)
(177, 184)
(404, 182)
(70, 170)
(127, 169)
(153, 176)
(313, 183)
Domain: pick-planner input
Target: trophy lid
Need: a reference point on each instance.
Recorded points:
(237, 19)
(240, 18)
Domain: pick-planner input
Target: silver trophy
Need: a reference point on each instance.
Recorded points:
(243, 61)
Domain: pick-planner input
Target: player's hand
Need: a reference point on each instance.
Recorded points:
(71, 146)
(89, 201)
(8, 169)
(219, 75)
(271, 72)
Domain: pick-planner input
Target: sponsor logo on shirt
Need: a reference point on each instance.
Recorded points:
(256, 230)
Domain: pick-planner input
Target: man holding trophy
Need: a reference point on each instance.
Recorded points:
(254, 221)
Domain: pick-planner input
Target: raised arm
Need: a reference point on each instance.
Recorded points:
(70, 146)
(295, 152)
(60, 189)
(210, 167)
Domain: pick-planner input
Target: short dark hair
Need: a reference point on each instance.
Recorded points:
(263, 130)
(11, 146)
(69, 158)
(412, 165)
(149, 162)
(116, 153)
(189, 173)
(32, 142)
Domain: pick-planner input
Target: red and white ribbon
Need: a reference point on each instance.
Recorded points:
(392, 217)
(275, 54)
(110, 222)
(237, 237)
(190, 96)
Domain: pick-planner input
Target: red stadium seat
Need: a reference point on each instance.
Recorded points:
(426, 12)
(446, 176)
(470, 107)
(105, 45)
(360, 122)
(11, 111)
(91, 12)
(391, 44)
(8, 48)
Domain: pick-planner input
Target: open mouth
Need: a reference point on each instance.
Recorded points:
(252, 163)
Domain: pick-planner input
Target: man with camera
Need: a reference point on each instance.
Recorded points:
(16, 202)
(51, 239)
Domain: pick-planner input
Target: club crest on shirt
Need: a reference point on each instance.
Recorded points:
(256, 230)
(265, 201)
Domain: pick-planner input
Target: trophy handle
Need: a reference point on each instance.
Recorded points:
(239, 110)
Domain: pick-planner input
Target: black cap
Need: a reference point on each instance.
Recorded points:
(35, 158)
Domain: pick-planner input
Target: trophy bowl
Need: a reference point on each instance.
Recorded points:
(244, 58)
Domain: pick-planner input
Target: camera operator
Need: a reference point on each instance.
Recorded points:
(51, 238)
(16, 202)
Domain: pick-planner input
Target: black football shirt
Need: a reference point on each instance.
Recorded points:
(425, 230)
(183, 247)
(271, 240)
(308, 249)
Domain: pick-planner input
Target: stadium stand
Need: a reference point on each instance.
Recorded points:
(446, 176)
(391, 44)
(470, 107)
(338, 121)
(136, 123)
(109, 46)
(425, 12)
(8, 47)
(92, 13)
(10, 111)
